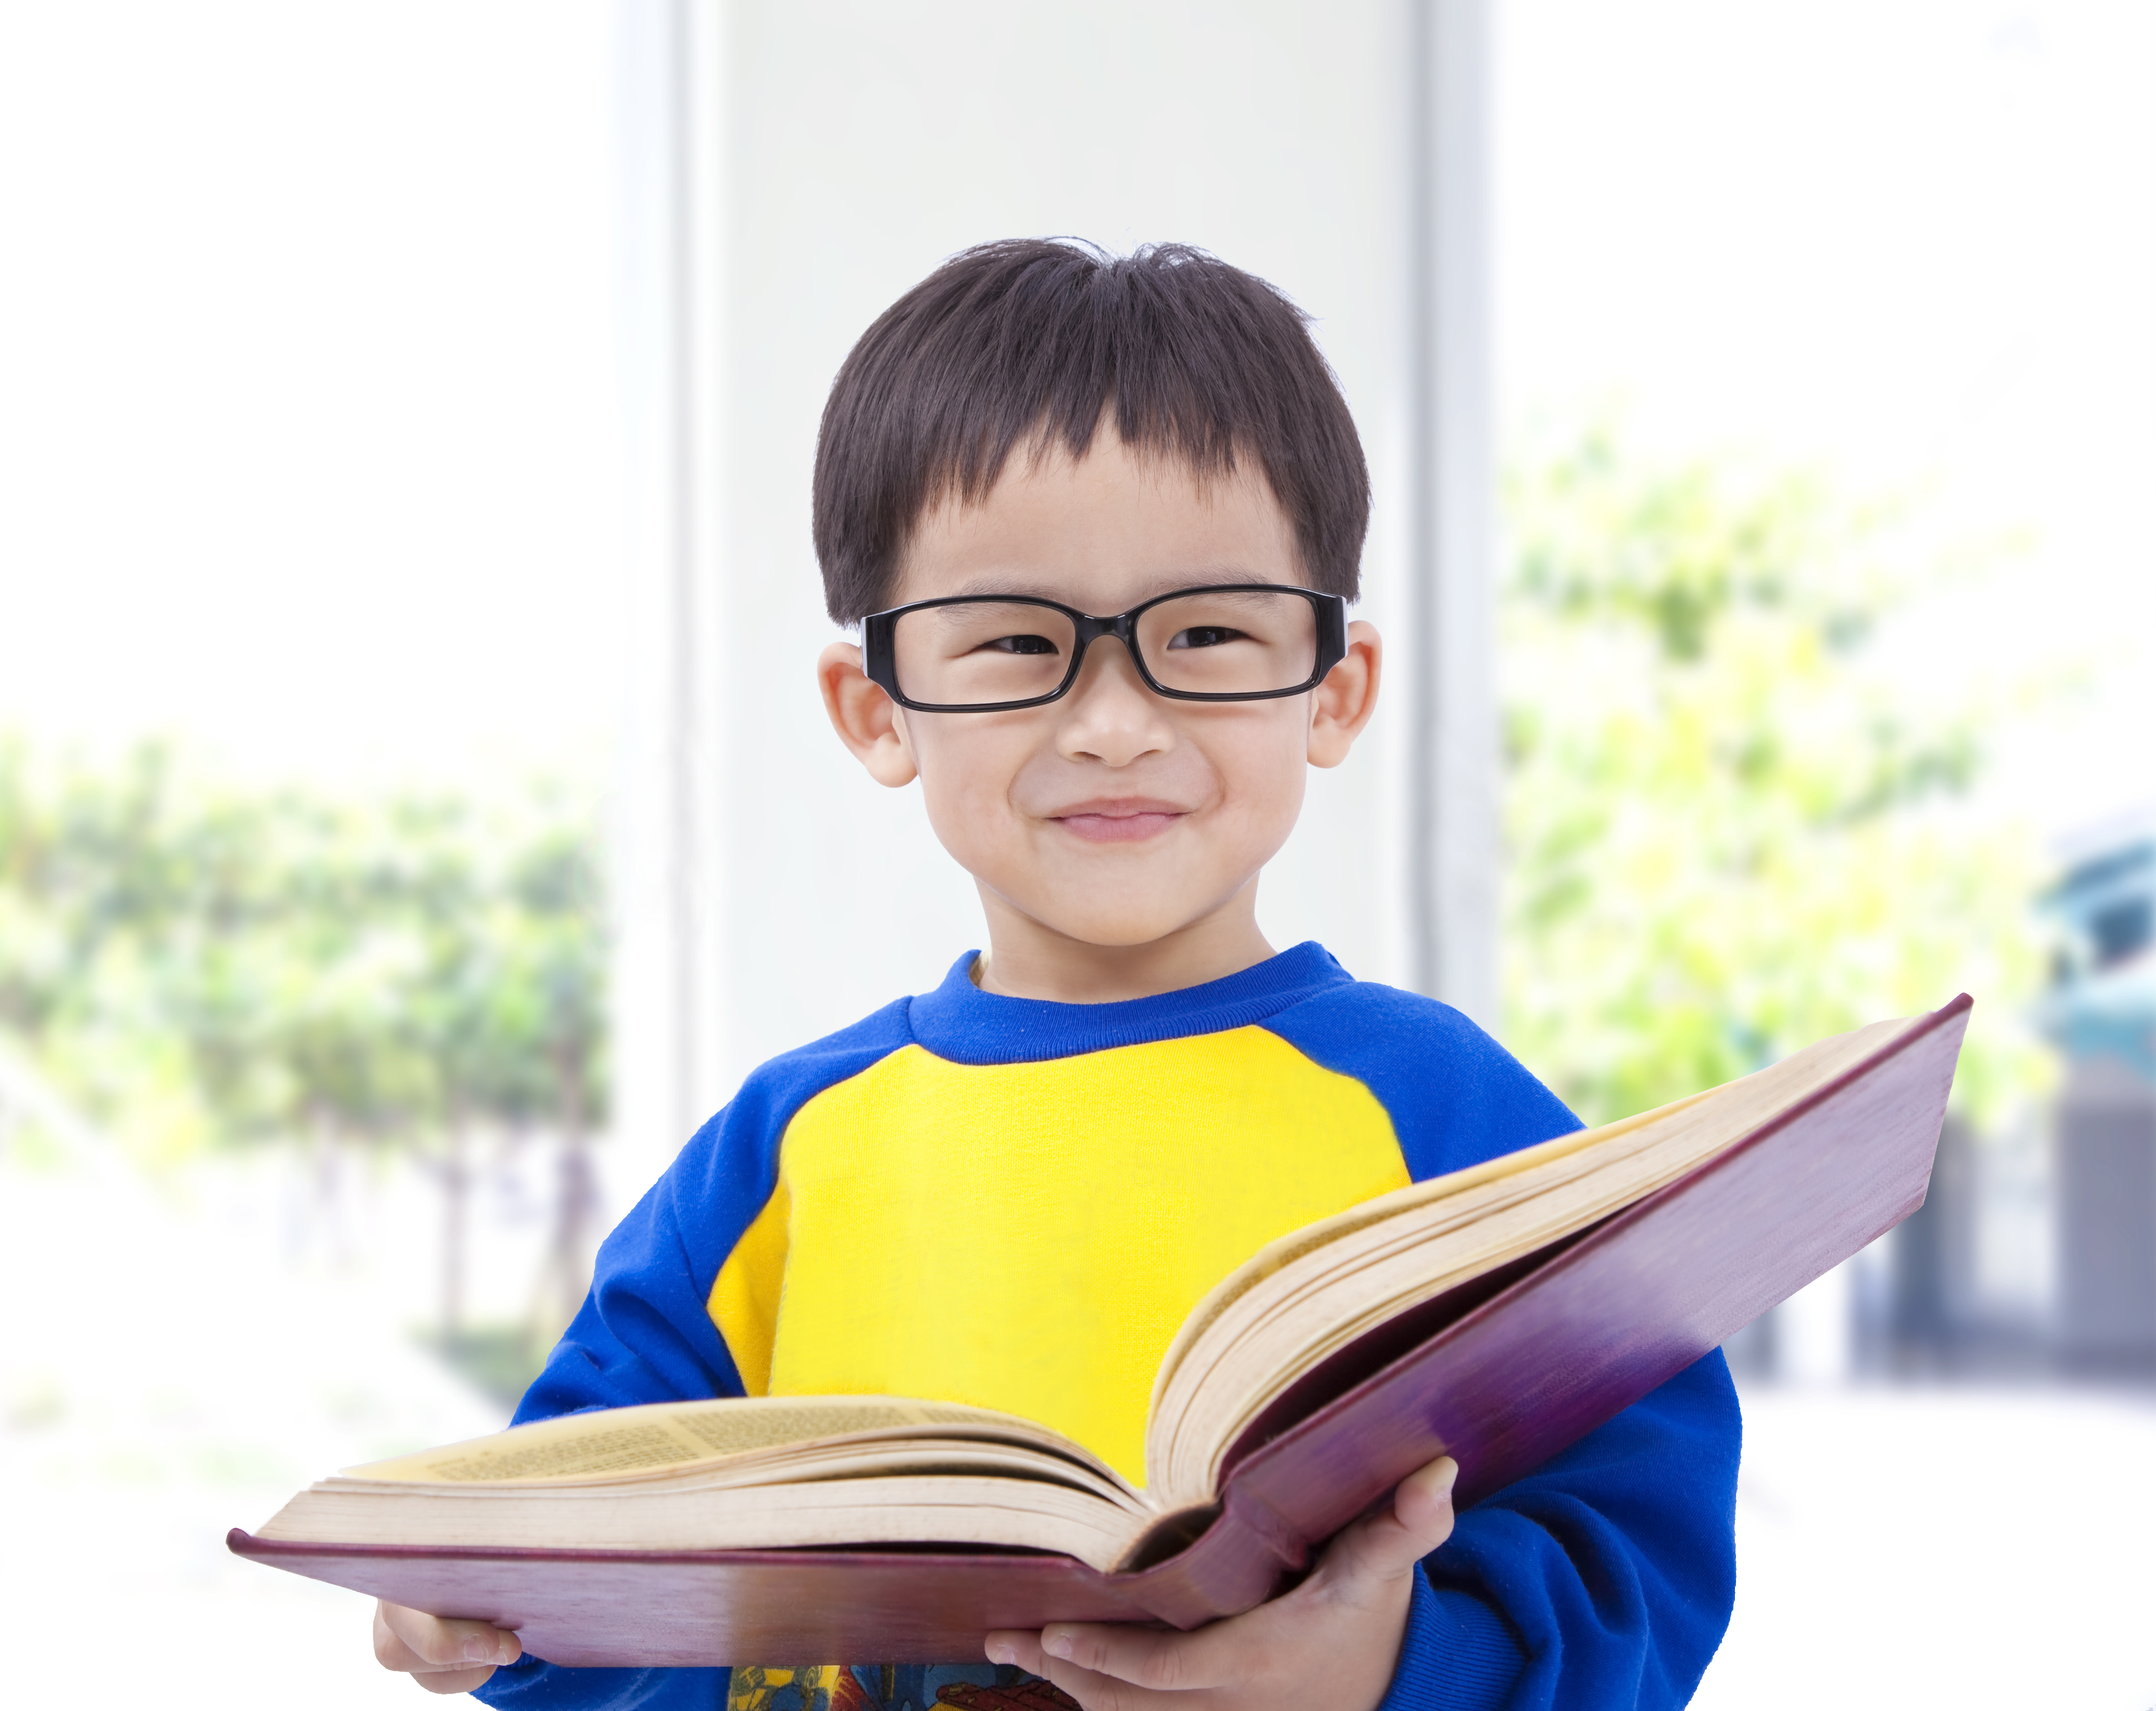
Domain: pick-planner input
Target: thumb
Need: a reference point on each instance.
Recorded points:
(1388, 1544)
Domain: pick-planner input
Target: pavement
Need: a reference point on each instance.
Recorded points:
(1951, 1546)
(165, 1376)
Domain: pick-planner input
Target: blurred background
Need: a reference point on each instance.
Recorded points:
(415, 814)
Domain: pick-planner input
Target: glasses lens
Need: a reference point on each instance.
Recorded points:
(1232, 643)
(972, 653)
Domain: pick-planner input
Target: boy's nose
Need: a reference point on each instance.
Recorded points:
(1111, 717)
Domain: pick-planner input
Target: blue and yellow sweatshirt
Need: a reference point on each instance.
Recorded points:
(1015, 1203)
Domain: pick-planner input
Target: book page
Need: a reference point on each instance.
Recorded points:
(662, 1437)
(1302, 1299)
(1283, 1251)
(845, 1513)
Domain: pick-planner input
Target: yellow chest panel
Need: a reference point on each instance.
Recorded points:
(1029, 1236)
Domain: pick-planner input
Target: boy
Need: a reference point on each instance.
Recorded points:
(1009, 1191)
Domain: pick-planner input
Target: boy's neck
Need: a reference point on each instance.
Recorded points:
(1028, 959)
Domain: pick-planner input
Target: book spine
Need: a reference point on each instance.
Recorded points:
(1239, 1562)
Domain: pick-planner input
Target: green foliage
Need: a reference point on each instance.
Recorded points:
(499, 1359)
(1731, 829)
(199, 965)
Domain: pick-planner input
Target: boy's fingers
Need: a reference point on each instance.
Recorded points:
(1423, 1504)
(1022, 1647)
(1145, 1658)
(393, 1651)
(1388, 1544)
(416, 1643)
(1017, 1645)
(453, 1681)
(1093, 1692)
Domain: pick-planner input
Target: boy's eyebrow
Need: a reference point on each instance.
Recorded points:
(1014, 585)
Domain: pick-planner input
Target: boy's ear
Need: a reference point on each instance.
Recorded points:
(865, 718)
(1342, 705)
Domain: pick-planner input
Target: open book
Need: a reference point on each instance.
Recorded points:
(1496, 1314)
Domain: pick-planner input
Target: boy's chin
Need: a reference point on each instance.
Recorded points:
(1115, 926)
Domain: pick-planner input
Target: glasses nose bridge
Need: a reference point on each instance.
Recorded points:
(1123, 625)
(1123, 628)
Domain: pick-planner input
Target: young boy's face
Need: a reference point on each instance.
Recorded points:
(1114, 816)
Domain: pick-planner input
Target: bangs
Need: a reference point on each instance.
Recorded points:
(1027, 346)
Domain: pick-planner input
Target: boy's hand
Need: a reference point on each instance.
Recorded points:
(442, 1657)
(1332, 1641)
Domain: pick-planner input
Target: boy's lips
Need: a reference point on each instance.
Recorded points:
(1120, 821)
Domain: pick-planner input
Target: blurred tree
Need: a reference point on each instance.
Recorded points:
(201, 966)
(557, 964)
(95, 884)
(1730, 822)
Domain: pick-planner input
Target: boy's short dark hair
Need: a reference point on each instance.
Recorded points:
(1029, 341)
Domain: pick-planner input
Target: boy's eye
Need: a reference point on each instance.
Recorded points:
(1020, 644)
(1204, 635)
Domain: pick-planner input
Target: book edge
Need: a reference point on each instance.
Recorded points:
(1252, 1464)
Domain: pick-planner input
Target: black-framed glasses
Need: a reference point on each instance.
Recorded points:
(994, 653)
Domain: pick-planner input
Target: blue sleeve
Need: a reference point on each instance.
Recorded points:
(1455, 1095)
(1605, 1578)
(645, 1334)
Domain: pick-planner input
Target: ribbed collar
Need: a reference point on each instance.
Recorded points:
(961, 1022)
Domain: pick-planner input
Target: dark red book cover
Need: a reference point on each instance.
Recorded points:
(1501, 1375)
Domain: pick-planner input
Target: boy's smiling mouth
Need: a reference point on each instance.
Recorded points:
(1118, 820)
